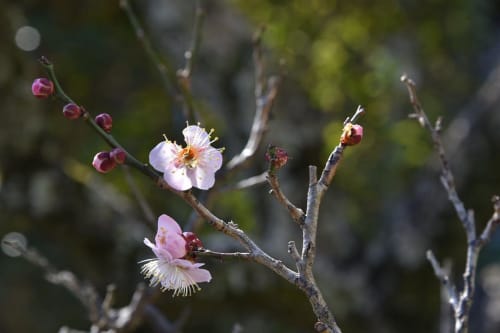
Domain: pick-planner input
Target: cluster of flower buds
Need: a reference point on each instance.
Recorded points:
(351, 134)
(42, 88)
(105, 161)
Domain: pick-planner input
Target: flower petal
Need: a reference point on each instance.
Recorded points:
(202, 178)
(159, 252)
(210, 159)
(196, 136)
(169, 237)
(178, 178)
(163, 155)
(196, 273)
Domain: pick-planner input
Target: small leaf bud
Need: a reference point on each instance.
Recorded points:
(103, 163)
(42, 88)
(104, 121)
(72, 111)
(351, 135)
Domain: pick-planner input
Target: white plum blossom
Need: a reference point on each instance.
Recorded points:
(191, 166)
(169, 269)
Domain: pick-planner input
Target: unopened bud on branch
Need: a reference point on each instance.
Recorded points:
(193, 243)
(72, 111)
(42, 88)
(351, 135)
(276, 156)
(118, 155)
(104, 121)
(103, 162)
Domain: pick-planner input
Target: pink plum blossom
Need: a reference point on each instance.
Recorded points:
(169, 268)
(193, 165)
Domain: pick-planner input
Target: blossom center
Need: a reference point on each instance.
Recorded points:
(188, 156)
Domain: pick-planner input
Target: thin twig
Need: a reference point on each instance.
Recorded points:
(461, 301)
(447, 176)
(247, 182)
(101, 313)
(264, 100)
(184, 75)
(191, 54)
(162, 64)
(443, 277)
(296, 213)
(223, 255)
(141, 200)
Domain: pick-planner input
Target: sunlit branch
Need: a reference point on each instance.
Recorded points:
(265, 95)
(461, 301)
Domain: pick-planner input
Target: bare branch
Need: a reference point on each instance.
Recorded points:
(447, 178)
(141, 200)
(264, 100)
(247, 182)
(493, 222)
(294, 253)
(296, 213)
(165, 68)
(443, 277)
(223, 255)
(461, 301)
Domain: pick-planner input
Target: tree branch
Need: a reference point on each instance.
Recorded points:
(461, 301)
(264, 100)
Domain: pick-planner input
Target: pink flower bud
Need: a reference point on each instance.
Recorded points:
(104, 121)
(351, 135)
(118, 155)
(276, 156)
(103, 163)
(42, 88)
(72, 111)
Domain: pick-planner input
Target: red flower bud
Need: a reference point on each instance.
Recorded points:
(118, 155)
(193, 243)
(276, 156)
(104, 121)
(42, 88)
(103, 163)
(351, 135)
(72, 111)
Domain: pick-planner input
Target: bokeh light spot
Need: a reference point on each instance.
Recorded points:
(13, 238)
(27, 38)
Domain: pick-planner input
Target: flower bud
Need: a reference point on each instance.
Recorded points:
(351, 135)
(276, 156)
(118, 155)
(42, 88)
(193, 243)
(104, 121)
(72, 111)
(103, 163)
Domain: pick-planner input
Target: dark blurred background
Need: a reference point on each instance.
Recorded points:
(386, 206)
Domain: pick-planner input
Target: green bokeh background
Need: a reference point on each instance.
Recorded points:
(383, 211)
